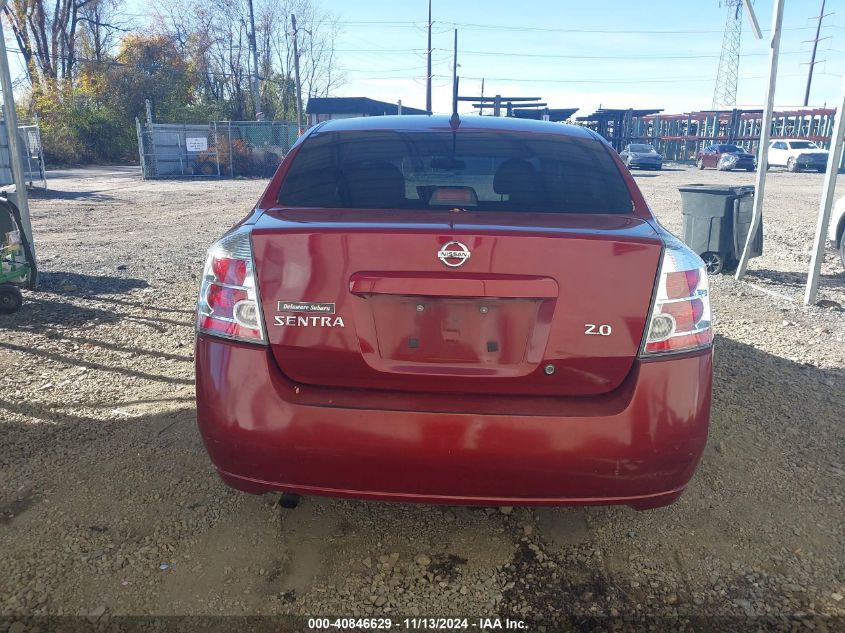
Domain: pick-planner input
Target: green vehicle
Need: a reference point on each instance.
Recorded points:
(17, 267)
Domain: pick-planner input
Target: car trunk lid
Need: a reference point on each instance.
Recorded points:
(544, 304)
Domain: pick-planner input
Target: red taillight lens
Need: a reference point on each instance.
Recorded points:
(228, 303)
(228, 270)
(680, 320)
(682, 284)
(222, 300)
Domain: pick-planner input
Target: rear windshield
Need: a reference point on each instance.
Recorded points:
(802, 145)
(482, 171)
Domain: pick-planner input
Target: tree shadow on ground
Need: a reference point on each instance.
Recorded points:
(795, 279)
(55, 194)
(39, 313)
(78, 283)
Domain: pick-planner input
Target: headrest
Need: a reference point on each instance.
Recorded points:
(375, 185)
(515, 175)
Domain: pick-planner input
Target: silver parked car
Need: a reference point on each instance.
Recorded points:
(642, 155)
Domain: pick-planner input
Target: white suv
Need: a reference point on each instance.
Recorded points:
(797, 155)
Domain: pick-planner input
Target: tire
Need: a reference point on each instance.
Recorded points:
(714, 263)
(659, 168)
(10, 299)
(791, 165)
(700, 163)
(842, 250)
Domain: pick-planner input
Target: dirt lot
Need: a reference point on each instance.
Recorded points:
(109, 506)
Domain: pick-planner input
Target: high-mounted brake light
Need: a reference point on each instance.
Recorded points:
(680, 319)
(228, 304)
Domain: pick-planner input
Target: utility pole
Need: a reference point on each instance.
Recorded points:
(11, 120)
(256, 95)
(813, 61)
(296, 75)
(428, 74)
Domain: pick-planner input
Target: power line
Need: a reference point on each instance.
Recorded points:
(516, 28)
(223, 74)
(608, 81)
(617, 57)
(553, 55)
(506, 27)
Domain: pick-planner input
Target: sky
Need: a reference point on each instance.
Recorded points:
(582, 54)
(608, 53)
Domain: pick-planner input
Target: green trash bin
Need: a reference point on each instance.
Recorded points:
(717, 219)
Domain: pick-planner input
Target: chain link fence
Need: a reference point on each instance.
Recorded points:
(32, 156)
(220, 149)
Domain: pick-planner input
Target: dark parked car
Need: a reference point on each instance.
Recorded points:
(641, 155)
(482, 313)
(726, 157)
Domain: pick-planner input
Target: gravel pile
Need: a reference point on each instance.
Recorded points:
(109, 506)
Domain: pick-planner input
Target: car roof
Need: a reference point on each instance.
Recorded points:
(422, 123)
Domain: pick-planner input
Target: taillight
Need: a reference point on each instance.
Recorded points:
(680, 319)
(228, 304)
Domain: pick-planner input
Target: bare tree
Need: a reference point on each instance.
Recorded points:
(101, 27)
(317, 32)
(214, 35)
(47, 33)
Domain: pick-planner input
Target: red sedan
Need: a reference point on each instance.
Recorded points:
(726, 157)
(485, 313)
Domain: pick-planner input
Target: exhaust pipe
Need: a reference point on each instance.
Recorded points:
(289, 501)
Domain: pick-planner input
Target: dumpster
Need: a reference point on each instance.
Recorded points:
(717, 219)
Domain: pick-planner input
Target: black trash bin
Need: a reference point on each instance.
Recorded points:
(717, 219)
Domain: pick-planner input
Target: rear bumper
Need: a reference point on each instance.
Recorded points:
(638, 445)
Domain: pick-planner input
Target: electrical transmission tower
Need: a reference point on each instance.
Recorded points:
(724, 95)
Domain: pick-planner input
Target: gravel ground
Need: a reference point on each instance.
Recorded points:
(109, 505)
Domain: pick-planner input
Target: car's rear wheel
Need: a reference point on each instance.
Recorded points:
(700, 163)
(842, 250)
(713, 262)
(791, 165)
